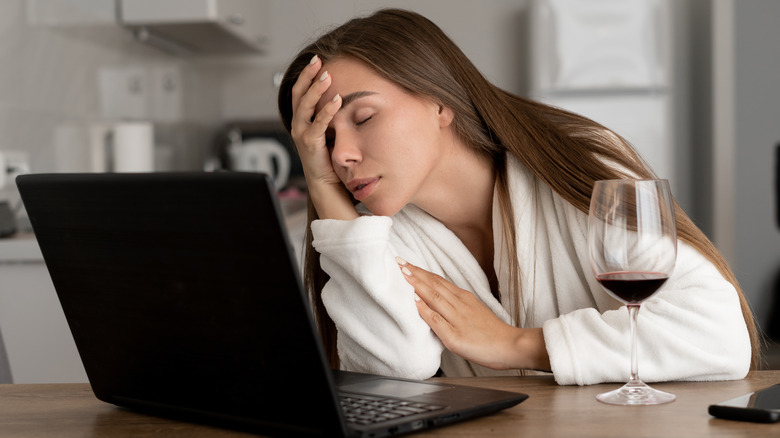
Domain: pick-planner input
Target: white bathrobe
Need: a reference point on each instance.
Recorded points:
(692, 329)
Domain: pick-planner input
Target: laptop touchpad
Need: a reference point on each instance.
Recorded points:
(393, 388)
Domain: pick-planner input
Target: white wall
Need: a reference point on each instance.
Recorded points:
(492, 33)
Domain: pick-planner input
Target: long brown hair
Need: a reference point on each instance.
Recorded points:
(563, 150)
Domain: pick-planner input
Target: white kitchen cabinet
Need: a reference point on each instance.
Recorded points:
(611, 61)
(37, 339)
(201, 26)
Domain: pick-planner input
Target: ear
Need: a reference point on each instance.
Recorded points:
(446, 115)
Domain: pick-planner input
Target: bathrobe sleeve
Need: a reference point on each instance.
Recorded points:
(691, 329)
(371, 304)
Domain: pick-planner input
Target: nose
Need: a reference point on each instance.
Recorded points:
(346, 152)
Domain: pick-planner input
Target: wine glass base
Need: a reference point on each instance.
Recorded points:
(635, 394)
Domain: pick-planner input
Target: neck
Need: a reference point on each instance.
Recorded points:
(460, 194)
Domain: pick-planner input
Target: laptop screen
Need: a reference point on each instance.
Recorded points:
(180, 290)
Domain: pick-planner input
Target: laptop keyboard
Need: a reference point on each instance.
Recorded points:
(364, 409)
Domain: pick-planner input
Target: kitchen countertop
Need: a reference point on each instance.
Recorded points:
(20, 248)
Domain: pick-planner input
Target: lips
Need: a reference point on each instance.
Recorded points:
(362, 187)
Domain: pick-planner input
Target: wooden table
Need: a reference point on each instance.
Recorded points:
(70, 410)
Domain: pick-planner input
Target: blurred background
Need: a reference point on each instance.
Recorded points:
(161, 85)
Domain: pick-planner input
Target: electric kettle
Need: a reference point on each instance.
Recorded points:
(264, 155)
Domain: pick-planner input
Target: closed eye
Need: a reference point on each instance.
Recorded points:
(363, 121)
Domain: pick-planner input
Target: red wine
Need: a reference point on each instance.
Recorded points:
(632, 287)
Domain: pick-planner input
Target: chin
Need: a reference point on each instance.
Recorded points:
(382, 210)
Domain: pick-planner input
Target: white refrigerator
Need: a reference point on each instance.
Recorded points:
(609, 60)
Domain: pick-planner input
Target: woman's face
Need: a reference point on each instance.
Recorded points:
(387, 146)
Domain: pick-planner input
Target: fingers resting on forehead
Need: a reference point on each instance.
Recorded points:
(308, 123)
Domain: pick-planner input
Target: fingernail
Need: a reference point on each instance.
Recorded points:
(314, 59)
(336, 97)
(416, 297)
(324, 76)
(400, 261)
(406, 271)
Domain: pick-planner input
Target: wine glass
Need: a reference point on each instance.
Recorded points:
(632, 242)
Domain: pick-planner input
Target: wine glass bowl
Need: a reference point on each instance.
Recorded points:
(632, 244)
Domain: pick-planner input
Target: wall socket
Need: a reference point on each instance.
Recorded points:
(141, 93)
(123, 93)
(166, 93)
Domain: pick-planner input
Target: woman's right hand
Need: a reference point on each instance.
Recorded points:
(308, 130)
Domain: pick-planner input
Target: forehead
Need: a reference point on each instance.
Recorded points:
(351, 76)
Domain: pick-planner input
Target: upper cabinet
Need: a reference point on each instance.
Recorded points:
(182, 27)
(199, 26)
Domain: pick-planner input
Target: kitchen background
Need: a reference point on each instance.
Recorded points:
(691, 82)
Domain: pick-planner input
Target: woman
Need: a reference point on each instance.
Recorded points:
(449, 221)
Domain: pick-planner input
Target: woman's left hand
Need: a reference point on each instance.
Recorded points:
(469, 329)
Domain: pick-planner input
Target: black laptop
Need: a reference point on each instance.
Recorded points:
(184, 299)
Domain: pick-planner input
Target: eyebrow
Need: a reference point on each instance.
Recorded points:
(349, 98)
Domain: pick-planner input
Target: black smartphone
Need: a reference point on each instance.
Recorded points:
(762, 406)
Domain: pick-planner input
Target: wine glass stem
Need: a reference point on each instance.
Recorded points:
(633, 311)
